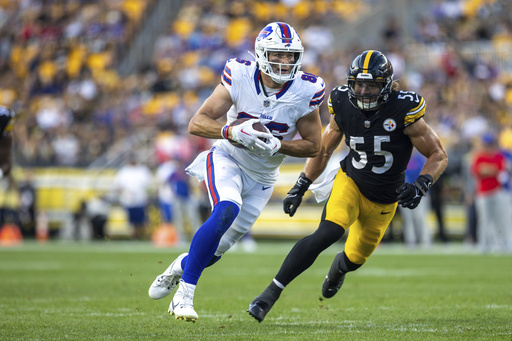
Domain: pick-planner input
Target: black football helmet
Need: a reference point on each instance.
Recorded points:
(370, 66)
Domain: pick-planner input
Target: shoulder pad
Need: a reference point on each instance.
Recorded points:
(233, 68)
(412, 104)
(319, 95)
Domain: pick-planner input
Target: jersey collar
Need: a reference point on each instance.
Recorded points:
(281, 93)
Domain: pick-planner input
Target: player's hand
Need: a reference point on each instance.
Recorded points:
(274, 143)
(294, 197)
(246, 135)
(409, 195)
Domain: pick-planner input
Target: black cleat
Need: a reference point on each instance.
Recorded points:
(258, 309)
(334, 279)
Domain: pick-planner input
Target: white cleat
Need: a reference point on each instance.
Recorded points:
(182, 304)
(165, 283)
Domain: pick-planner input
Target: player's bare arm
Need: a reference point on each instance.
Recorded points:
(426, 141)
(331, 139)
(205, 122)
(309, 127)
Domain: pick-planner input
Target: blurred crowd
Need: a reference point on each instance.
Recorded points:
(58, 67)
(58, 70)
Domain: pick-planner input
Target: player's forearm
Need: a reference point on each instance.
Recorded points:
(300, 148)
(315, 166)
(435, 164)
(204, 126)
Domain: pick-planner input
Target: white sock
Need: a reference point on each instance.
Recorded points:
(276, 282)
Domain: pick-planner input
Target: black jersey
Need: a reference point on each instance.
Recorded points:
(6, 121)
(379, 150)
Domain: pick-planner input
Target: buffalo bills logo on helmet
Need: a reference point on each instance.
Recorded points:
(264, 33)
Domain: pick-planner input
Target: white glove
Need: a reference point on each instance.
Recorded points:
(274, 145)
(246, 135)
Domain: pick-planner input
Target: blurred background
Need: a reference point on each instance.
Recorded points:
(99, 84)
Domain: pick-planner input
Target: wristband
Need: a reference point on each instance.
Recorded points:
(224, 132)
(423, 183)
(302, 184)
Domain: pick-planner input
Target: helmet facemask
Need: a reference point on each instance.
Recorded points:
(278, 37)
(371, 67)
(369, 102)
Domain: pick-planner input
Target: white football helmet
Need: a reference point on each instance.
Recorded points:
(278, 37)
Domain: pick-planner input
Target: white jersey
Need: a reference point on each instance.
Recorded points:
(278, 112)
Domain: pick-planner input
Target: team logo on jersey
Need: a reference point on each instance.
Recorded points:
(367, 124)
(389, 124)
(266, 103)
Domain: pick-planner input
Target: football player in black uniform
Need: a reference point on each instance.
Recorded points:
(381, 125)
(6, 125)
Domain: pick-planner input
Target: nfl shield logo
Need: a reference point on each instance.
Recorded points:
(367, 124)
(266, 103)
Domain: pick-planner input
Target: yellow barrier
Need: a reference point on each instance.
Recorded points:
(61, 191)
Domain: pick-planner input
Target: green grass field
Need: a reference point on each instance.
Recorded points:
(98, 291)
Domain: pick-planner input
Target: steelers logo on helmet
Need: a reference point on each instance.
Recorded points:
(278, 37)
(371, 69)
(389, 124)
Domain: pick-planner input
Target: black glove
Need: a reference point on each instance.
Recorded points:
(294, 197)
(409, 195)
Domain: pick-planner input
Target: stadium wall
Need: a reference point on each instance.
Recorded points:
(60, 192)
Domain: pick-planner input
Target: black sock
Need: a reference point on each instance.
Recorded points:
(270, 295)
(346, 265)
(306, 250)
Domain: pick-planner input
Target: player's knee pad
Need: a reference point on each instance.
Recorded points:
(223, 215)
(328, 232)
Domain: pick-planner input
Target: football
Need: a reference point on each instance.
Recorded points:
(258, 126)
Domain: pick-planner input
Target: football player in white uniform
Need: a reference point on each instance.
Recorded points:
(6, 125)
(240, 181)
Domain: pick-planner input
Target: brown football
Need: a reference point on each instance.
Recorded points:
(258, 126)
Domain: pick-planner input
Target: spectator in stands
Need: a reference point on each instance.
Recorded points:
(93, 35)
(414, 222)
(437, 202)
(133, 183)
(66, 147)
(166, 196)
(97, 210)
(9, 201)
(6, 125)
(186, 209)
(468, 194)
(28, 211)
(492, 206)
